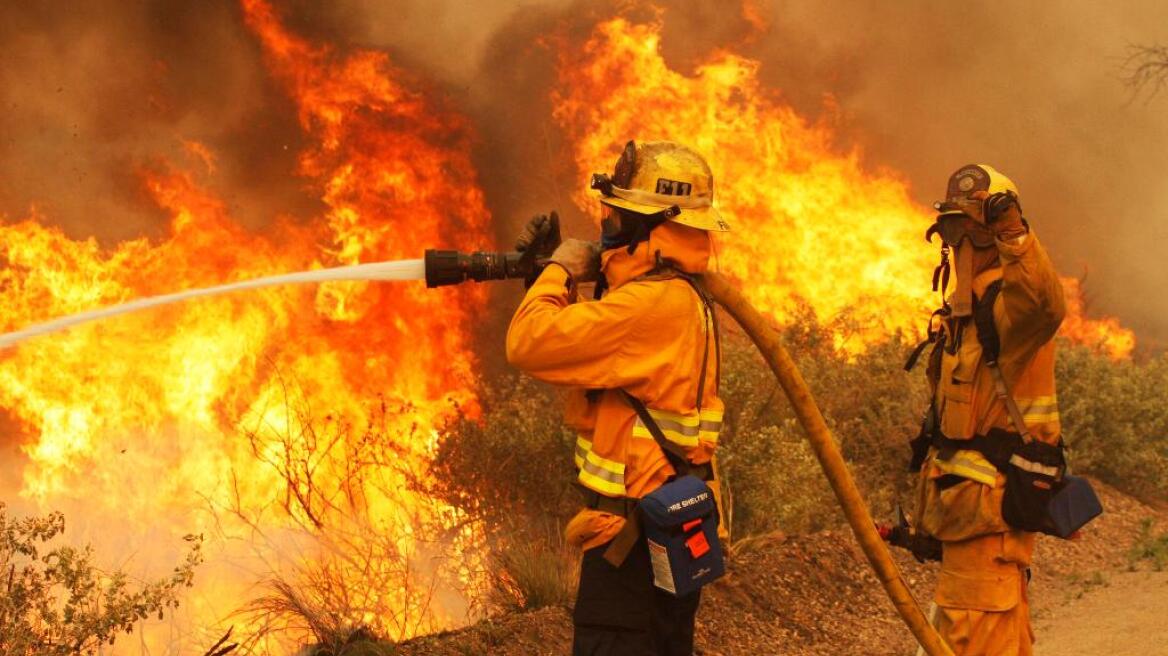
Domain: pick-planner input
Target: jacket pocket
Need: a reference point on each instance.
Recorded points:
(957, 377)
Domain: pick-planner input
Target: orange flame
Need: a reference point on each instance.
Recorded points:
(810, 223)
(1105, 334)
(205, 406)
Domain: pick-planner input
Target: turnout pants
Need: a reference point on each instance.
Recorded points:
(619, 612)
(982, 608)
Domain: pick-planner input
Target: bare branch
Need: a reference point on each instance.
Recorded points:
(1146, 69)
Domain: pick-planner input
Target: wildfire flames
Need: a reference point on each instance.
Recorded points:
(810, 224)
(260, 406)
(242, 416)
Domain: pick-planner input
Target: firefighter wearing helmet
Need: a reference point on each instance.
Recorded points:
(642, 365)
(993, 416)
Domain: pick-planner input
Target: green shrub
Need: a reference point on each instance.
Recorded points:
(1149, 547)
(59, 602)
(1115, 418)
(515, 460)
(870, 404)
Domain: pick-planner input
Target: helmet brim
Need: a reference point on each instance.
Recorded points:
(702, 218)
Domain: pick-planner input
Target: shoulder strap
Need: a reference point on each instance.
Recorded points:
(983, 318)
(673, 454)
(934, 335)
(666, 270)
(711, 318)
(991, 349)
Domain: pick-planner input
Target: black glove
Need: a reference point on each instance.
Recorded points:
(924, 548)
(997, 205)
(540, 237)
(1004, 216)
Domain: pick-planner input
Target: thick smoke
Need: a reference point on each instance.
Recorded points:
(93, 91)
(1034, 89)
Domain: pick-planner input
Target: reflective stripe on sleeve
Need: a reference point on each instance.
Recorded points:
(583, 446)
(1039, 409)
(685, 430)
(600, 474)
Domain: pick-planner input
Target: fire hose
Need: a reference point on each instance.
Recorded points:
(449, 267)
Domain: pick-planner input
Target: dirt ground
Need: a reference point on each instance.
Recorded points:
(1126, 614)
(814, 595)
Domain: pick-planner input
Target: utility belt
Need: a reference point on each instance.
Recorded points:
(1039, 496)
(1002, 447)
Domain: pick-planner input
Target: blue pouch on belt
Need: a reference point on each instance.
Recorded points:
(680, 520)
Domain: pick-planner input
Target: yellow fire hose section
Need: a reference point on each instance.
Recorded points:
(768, 341)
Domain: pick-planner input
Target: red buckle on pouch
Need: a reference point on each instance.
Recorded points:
(697, 544)
(689, 526)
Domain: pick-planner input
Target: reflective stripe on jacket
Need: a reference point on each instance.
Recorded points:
(646, 335)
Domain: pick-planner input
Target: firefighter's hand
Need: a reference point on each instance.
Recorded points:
(1002, 214)
(580, 258)
(1008, 224)
(541, 235)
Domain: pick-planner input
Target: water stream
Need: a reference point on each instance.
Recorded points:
(395, 270)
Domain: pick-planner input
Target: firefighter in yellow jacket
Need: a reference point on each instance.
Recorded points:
(650, 334)
(1005, 285)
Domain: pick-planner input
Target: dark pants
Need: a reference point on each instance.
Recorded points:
(619, 612)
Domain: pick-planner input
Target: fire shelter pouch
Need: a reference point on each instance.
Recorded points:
(680, 520)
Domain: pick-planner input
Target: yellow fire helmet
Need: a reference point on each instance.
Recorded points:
(972, 178)
(662, 178)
